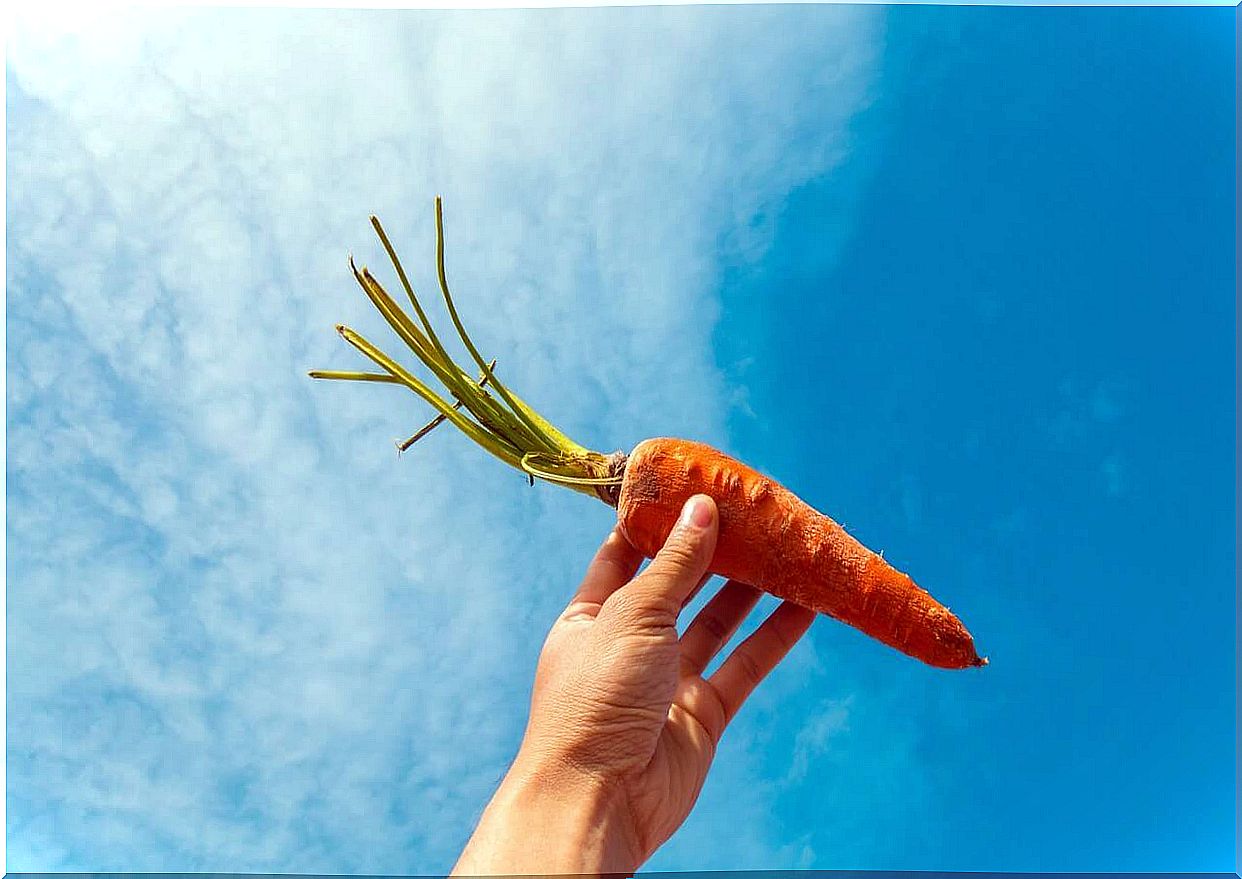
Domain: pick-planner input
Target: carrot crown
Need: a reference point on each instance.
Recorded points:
(502, 424)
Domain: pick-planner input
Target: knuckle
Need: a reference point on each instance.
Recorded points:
(749, 667)
(664, 609)
(638, 614)
(623, 605)
(786, 638)
(788, 626)
(714, 626)
(679, 554)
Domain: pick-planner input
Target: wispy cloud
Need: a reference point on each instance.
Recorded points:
(243, 635)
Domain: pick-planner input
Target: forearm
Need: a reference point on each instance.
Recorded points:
(547, 822)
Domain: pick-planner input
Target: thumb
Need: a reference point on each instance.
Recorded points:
(663, 587)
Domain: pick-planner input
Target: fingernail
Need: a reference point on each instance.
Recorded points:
(697, 513)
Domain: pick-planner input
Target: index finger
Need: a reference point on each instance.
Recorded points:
(614, 565)
(682, 563)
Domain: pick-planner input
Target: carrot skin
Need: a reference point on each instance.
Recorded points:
(777, 542)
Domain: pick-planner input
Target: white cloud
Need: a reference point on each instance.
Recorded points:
(244, 635)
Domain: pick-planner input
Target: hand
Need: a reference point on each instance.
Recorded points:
(623, 727)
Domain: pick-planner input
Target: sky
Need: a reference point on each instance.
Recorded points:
(961, 277)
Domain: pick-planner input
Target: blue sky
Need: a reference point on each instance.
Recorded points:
(962, 277)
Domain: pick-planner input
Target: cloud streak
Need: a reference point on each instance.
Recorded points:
(243, 636)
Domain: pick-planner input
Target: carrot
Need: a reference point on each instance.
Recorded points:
(768, 536)
(773, 540)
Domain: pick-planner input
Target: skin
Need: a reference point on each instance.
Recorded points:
(623, 726)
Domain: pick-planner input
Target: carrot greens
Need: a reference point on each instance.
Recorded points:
(502, 424)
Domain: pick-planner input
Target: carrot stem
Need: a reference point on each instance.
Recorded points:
(511, 428)
(355, 376)
(520, 411)
(493, 443)
(434, 423)
(565, 480)
(505, 426)
(458, 383)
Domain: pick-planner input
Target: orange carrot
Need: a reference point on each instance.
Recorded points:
(776, 542)
(768, 538)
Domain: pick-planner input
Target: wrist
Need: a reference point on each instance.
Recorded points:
(551, 818)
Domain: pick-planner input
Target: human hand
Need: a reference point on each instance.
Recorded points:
(623, 726)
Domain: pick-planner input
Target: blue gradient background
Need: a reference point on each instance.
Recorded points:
(962, 277)
(1017, 380)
